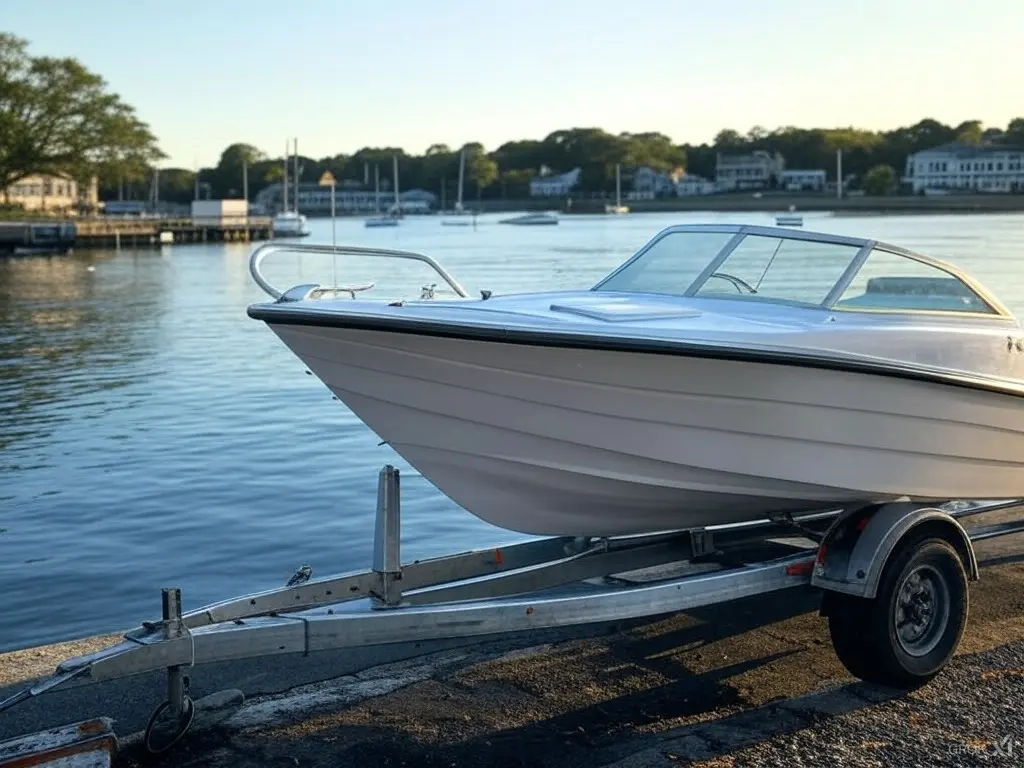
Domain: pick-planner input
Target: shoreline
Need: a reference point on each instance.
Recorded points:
(745, 203)
(718, 203)
(818, 203)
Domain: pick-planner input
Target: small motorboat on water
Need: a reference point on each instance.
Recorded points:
(722, 374)
(290, 224)
(532, 220)
(389, 220)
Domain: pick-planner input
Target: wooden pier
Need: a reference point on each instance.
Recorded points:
(138, 232)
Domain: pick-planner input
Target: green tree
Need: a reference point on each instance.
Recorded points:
(880, 180)
(1014, 135)
(177, 184)
(729, 140)
(515, 183)
(525, 155)
(654, 150)
(969, 132)
(482, 170)
(226, 178)
(57, 117)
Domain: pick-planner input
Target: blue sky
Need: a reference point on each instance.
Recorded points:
(344, 74)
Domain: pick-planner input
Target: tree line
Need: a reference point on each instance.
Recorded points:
(874, 158)
(57, 117)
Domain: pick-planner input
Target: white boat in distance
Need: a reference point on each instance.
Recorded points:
(789, 220)
(722, 374)
(290, 224)
(532, 219)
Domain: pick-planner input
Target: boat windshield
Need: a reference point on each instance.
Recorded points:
(802, 271)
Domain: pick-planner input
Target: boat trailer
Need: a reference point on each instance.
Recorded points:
(894, 579)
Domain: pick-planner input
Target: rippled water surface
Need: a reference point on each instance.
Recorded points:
(152, 435)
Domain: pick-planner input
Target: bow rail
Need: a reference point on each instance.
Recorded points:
(258, 255)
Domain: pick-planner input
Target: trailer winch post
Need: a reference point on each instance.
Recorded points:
(387, 553)
(171, 601)
(181, 707)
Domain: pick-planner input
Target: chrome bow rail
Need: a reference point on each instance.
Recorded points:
(258, 255)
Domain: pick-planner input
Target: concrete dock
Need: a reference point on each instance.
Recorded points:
(750, 683)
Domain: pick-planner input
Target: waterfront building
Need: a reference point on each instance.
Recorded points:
(649, 184)
(349, 198)
(754, 170)
(692, 184)
(555, 185)
(966, 167)
(56, 192)
(802, 180)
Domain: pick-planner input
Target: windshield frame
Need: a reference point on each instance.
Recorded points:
(865, 247)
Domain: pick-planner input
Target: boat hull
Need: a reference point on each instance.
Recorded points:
(568, 441)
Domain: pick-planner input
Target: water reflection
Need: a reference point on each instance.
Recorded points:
(71, 326)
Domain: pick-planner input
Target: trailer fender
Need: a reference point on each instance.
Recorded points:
(856, 548)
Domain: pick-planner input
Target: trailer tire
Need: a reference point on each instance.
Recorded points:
(910, 630)
(846, 619)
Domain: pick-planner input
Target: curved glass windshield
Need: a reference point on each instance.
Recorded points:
(670, 265)
(780, 269)
(804, 271)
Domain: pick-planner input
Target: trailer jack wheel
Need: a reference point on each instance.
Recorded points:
(910, 630)
(169, 734)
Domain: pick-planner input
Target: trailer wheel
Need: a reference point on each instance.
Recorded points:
(906, 634)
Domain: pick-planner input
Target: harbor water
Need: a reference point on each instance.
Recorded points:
(153, 435)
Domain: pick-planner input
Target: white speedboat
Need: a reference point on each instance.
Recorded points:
(722, 374)
(290, 224)
(531, 219)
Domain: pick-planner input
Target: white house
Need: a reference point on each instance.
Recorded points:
(649, 184)
(959, 166)
(57, 192)
(692, 184)
(801, 180)
(555, 186)
(751, 171)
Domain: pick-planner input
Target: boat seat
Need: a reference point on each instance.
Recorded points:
(902, 301)
(916, 293)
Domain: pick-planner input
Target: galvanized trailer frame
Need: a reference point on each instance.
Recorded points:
(544, 583)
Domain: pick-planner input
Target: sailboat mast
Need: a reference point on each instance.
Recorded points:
(296, 175)
(376, 189)
(284, 181)
(394, 162)
(462, 173)
(618, 185)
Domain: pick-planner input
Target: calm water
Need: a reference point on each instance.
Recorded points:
(152, 435)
